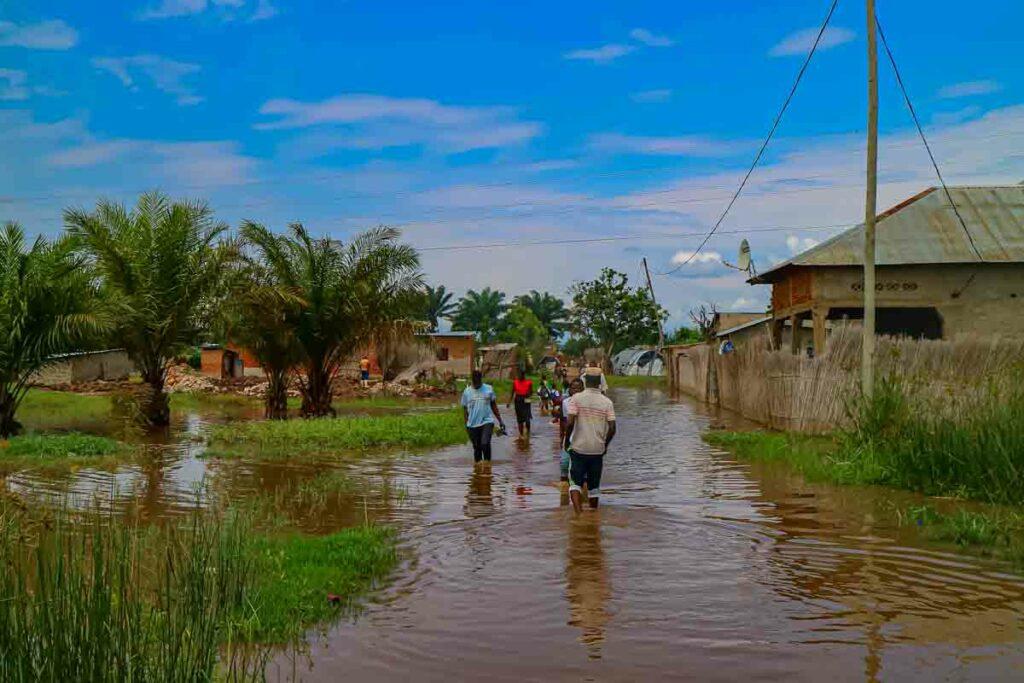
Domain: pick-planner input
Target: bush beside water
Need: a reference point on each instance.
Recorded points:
(282, 439)
(91, 596)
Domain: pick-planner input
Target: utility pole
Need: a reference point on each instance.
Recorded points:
(870, 201)
(650, 288)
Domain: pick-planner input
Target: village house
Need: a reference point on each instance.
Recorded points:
(84, 366)
(224, 361)
(453, 352)
(934, 279)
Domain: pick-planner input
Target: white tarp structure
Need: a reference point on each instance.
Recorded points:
(638, 360)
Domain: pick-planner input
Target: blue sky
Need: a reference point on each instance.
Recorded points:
(470, 124)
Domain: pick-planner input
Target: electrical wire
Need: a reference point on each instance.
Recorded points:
(920, 131)
(633, 237)
(768, 139)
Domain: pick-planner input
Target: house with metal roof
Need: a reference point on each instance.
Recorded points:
(945, 265)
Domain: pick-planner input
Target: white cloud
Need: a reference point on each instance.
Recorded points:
(703, 257)
(373, 122)
(800, 42)
(15, 87)
(53, 34)
(356, 108)
(684, 145)
(216, 164)
(90, 154)
(644, 36)
(164, 74)
(652, 96)
(970, 89)
(225, 10)
(949, 118)
(797, 245)
(743, 303)
(264, 10)
(601, 55)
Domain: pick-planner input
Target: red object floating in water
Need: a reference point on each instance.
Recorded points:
(333, 599)
(524, 490)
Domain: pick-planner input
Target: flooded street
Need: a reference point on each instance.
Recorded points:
(696, 567)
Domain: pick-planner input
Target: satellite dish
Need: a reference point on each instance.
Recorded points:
(743, 260)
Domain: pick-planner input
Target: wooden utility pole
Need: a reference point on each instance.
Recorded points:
(650, 288)
(870, 200)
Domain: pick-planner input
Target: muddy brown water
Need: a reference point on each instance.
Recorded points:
(697, 566)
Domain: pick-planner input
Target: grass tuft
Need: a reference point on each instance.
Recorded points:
(58, 449)
(296, 574)
(287, 438)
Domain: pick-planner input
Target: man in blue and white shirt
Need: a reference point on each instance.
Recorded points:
(480, 408)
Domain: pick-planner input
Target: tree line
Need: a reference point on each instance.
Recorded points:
(160, 277)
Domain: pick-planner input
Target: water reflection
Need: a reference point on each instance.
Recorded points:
(695, 563)
(479, 499)
(588, 587)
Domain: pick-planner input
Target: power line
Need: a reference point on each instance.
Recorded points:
(633, 237)
(764, 145)
(920, 131)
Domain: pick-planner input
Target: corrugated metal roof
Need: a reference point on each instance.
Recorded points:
(458, 333)
(924, 229)
(743, 326)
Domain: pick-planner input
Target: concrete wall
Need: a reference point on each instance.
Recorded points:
(992, 304)
(461, 351)
(86, 367)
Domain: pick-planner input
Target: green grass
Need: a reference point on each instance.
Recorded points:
(976, 452)
(998, 533)
(296, 573)
(92, 596)
(987, 530)
(54, 449)
(287, 438)
(635, 381)
(43, 410)
(818, 458)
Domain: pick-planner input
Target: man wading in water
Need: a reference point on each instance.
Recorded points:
(591, 428)
(480, 408)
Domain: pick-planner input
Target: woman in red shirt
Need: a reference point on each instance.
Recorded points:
(522, 389)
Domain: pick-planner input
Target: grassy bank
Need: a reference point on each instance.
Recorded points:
(989, 528)
(44, 410)
(59, 449)
(997, 533)
(635, 381)
(104, 599)
(288, 438)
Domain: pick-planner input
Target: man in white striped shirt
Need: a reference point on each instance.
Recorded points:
(591, 428)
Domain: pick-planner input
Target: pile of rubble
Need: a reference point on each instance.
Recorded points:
(259, 390)
(418, 390)
(182, 378)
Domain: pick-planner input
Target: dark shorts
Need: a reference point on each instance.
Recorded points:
(524, 413)
(364, 374)
(585, 469)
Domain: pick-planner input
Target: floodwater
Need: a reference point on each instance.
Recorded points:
(696, 567)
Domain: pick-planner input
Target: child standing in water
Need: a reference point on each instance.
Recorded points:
(575, 387)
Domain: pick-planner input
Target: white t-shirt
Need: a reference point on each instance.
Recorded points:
(593, 411)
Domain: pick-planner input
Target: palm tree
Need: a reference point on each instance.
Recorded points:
(48, 305)
(480, 312)
(549, 309)
(160, 266)
(437, 304)
(261, 316)
(353, 295)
